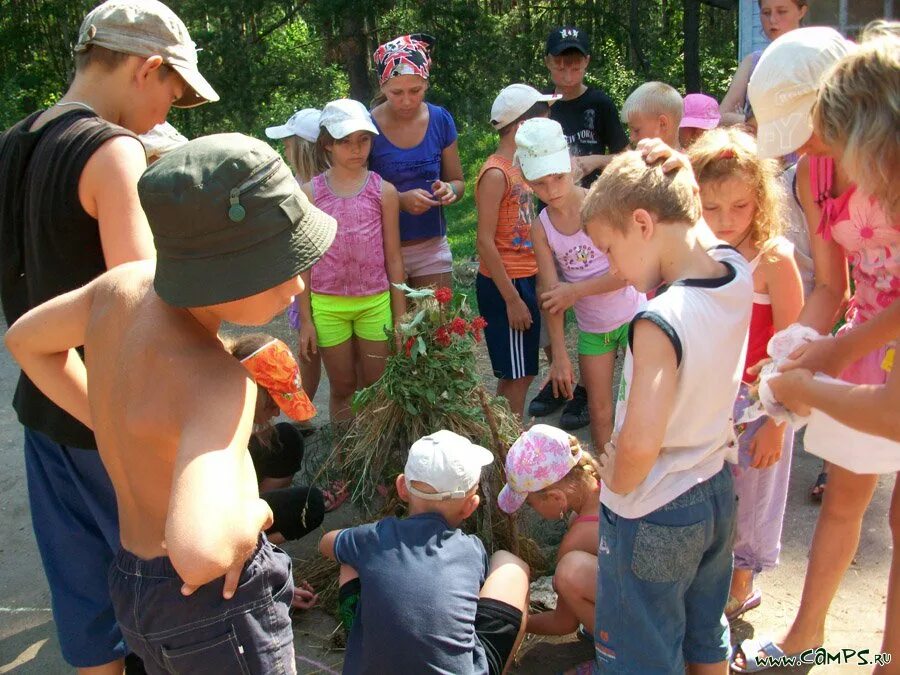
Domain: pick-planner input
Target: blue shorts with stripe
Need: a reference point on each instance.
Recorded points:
(514, 353)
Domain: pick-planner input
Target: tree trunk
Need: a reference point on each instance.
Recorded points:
(691, 26)
(639, 59)
(354, 56)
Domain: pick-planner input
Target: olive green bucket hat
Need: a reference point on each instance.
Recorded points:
(229, 221)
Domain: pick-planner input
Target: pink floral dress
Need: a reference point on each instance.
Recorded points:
(857, 222)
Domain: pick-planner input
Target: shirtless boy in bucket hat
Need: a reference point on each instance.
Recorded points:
(196, 587)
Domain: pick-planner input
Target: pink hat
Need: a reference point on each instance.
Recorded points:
(700, 112)
(539, 457)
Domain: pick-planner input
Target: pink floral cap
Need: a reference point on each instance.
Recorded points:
(539, 457)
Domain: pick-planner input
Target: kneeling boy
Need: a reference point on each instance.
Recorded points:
(172, 410)
(430, 600)
(667, 502)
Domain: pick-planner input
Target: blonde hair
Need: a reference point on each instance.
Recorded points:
(654, 98)
(728, 152)
(858, 113)
(629, 183)
(304, 157)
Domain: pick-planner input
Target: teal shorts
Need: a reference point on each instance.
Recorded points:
(598, 344)
(337, 318)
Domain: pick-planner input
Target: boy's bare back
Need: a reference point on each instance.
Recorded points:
(155, 374)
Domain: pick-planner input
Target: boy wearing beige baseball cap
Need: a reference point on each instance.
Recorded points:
(69, 210)
(430, 600)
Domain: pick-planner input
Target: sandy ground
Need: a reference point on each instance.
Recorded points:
(27, 635)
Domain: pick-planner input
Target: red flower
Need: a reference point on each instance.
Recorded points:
(442, 336)
(459, 326)
(409, 345)
(443, 295)
(478, 324)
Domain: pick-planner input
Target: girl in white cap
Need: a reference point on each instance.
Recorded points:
(353, 303)
(299, 135)
(604, 304)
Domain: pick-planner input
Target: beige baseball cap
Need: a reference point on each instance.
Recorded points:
(783, 87)
(148, 28)
(514, 101)
(541, 148)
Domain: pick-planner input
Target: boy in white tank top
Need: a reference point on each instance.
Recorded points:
(667, 500)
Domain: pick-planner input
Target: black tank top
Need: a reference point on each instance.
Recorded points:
(48, 244)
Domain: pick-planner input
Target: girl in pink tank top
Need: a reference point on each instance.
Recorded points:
(352, 305)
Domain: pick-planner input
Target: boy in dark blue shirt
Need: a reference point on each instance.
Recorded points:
(430, 600)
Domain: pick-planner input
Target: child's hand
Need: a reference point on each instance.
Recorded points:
(559, 298)
(765, 447)
(818, 356)
(518, 314)
(607, 461)
(563, 377)
(417, 201)
(791, 388)
(653, 150)
(304, 596)
(443, 192)
(307, 344)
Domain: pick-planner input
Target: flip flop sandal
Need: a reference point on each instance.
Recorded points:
(335, 495)
(817, 491)
(752, 647)
(735, 608)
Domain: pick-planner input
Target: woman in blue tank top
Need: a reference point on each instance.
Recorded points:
(416, 151)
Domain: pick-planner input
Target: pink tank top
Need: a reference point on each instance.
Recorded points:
(579, 259)
(354, 264)
(857, 222)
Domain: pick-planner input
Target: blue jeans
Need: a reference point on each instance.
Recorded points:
(76, 525)
(203, 632)
(663, 583)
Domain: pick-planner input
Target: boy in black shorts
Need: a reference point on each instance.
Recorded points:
(431, 600)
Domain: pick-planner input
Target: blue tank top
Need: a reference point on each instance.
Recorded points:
(416, 167)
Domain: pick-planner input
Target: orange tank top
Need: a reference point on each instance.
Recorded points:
(513, 235)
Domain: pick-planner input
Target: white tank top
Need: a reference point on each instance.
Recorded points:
(707, 321)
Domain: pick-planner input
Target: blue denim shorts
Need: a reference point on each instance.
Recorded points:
(663, 583)
(203, 632)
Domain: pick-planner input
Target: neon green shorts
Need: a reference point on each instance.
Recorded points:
(598, 344)
(337, 318)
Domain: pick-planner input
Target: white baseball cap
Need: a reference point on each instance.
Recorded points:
(514, 101)
(541, 148)
(344, 116)
(160, 139)
(303, 123)
(446, 461)
(783, 87)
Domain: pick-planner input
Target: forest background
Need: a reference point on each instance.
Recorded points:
(268, 58)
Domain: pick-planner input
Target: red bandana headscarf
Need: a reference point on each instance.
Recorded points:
(405, 55)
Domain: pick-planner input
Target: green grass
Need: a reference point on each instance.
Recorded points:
(475, 144)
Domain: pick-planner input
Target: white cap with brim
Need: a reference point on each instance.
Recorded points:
(783, 87)
(346, 116)
(449, 463)
(148, 28)
(303, 123)
(514, 101)
(541, 148)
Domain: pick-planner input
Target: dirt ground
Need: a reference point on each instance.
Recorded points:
(28, 641)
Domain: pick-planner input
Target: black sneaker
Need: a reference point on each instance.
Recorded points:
(576, 414)
(545, 402)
